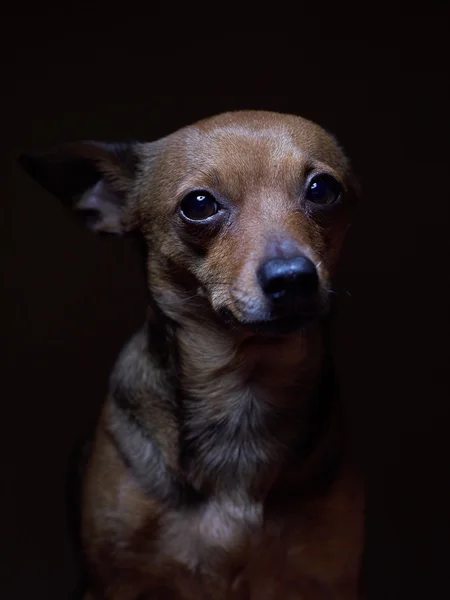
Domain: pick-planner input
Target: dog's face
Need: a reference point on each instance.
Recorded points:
(243, 215)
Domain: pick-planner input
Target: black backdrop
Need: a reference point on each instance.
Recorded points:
(70, 300)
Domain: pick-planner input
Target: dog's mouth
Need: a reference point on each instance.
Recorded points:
(274, 325)
(282, 325)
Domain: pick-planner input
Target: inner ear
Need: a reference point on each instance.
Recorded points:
(92, 178)
(102, 209)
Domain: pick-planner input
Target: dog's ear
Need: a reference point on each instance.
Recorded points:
(92, 178)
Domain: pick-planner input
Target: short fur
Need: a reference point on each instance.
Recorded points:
(220, 468)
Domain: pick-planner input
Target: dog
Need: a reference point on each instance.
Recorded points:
(220, 467)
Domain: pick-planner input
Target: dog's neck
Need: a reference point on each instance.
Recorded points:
(244, 401)
(214, 411)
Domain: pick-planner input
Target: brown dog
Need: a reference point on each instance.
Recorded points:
(219, 468)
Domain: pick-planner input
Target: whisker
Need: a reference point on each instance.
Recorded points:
(217, 279)
(347, 293)
(220, 282)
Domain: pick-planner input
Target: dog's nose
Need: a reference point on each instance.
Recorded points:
(283, 279)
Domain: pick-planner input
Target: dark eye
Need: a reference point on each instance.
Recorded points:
(324, 189)
(199, 205)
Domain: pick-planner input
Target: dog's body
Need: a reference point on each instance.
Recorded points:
(220, 469)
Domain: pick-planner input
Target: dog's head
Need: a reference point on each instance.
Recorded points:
(242, 215)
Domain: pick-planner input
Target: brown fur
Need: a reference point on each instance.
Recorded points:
(219, 468)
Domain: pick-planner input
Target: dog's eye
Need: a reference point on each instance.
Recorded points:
(199, 205)
(324, 189)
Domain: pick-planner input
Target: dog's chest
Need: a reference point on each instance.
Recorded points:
(205, 535)
(216, 543)
(233, 551)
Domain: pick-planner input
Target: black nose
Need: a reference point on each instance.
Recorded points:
(283, 279)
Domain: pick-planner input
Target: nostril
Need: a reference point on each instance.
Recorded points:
(280, 278)
(276, 287)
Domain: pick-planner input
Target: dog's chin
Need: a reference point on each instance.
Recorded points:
(281, 325)
(278, 325)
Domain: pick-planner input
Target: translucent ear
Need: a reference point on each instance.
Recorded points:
(100, 209)
(91, 178)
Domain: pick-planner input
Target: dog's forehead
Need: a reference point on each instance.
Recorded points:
(262, 138)
(240, 153)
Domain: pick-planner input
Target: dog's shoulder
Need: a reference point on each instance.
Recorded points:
(140, 417)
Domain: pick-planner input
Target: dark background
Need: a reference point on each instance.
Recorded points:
(70, 300)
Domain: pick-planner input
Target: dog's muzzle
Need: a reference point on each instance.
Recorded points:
(290, 295)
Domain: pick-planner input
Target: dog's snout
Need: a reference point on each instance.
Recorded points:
(284, 279)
